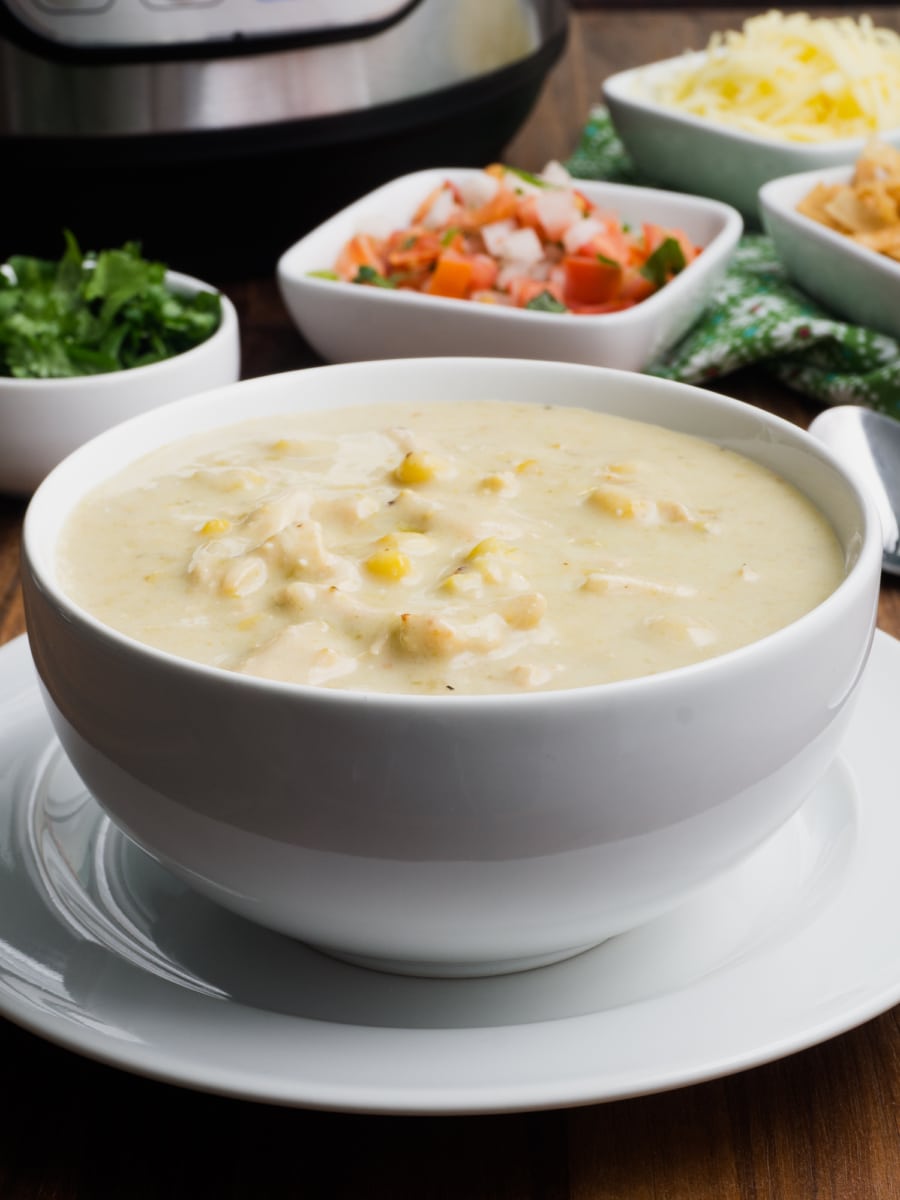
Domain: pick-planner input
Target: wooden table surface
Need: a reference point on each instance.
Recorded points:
(819, 1124)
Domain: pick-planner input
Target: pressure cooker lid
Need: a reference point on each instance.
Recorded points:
(127, 30)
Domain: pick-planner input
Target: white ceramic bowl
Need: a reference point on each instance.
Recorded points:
(345, 322)
(453, 834)
(42, 420)
(680, 150)
(854, 282)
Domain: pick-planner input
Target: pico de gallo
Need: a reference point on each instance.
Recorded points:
(509, 237)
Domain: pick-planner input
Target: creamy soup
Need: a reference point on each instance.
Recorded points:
(473, 547)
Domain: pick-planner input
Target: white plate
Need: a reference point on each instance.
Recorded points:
(104, 952)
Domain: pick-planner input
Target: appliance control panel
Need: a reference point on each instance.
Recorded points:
(167, 24)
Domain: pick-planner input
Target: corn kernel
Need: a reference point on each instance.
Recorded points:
(676, 513)
(462, 583)
(388, 563)
(288, 446)
(415, 467)
(500, 481)
(620, 471)
(215, 525)
(488, 545)
(619, 504)
(525, 611)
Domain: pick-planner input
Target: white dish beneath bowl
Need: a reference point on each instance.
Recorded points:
(104, 952)
(347, 323)
(712, 159)
(853, 281)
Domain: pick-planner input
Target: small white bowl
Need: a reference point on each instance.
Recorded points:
(453, 834)
(345, 322)
(853, 281)
(680, 150)
(43, 420)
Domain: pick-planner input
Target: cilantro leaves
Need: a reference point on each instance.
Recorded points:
(546, 302)
(665, 261)
(91, 314)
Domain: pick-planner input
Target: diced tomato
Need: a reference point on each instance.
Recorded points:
(484, 272)
(583, 203)
(452, 277)
(688, 249)
(526, 212)
(612, 243)
(408, 249)
(500, 207)
(655, 235)
(414, 280)
(635, 286)
(594, 309)
(523, 289)
(590, 280)
(361, 251)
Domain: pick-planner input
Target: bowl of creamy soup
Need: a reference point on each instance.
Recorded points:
(451, 666)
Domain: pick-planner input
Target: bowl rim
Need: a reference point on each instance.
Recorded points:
(721, 244)
(616, 88)
(37, 558)
(226, 330)
(774, 201)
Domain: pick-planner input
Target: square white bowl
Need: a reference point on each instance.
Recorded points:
(346, 322)
(680, 150)
(853, 281)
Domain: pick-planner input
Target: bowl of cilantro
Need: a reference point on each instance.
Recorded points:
(93, 339)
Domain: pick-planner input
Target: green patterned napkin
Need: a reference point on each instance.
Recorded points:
(759, 316)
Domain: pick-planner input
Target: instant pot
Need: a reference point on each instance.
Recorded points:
(216, 132)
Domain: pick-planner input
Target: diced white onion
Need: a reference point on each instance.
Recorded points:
(523, 247)
(580, 234)
(555, 172)
(438, 216)
(477, 190)
(496, 234)
(557, 211)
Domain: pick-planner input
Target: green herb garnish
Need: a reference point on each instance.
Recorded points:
(666, 260)
(529, 177)
(323, 274)
(546, 302)
(95, 313)
(369, 275)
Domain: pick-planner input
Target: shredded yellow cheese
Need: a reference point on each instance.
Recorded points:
(796, 77)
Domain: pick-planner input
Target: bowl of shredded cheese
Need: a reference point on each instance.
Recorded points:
(786, 93)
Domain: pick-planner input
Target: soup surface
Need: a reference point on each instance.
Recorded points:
(472, 547)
